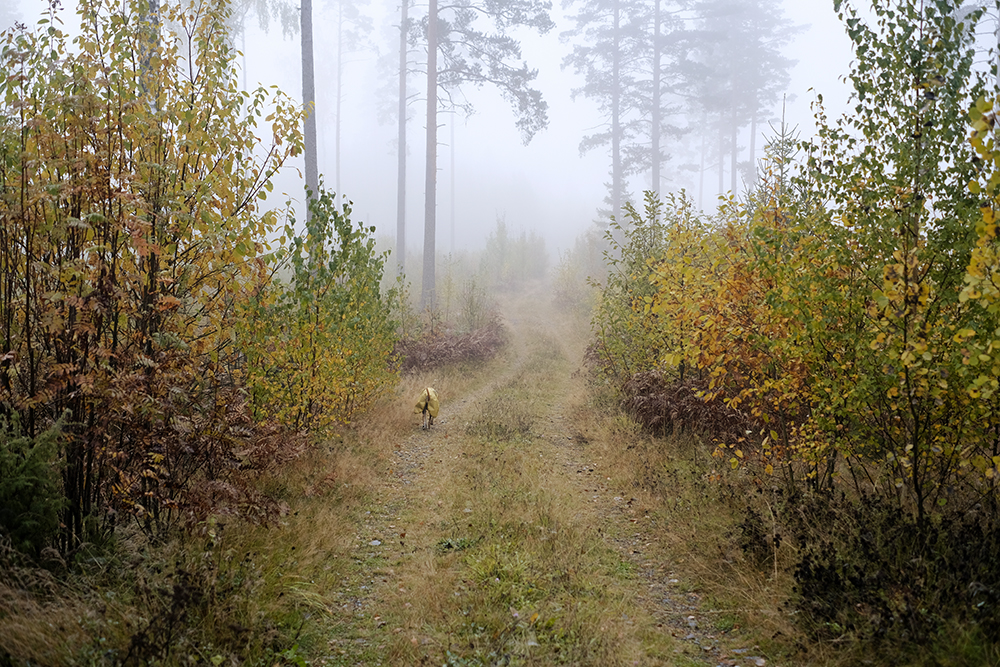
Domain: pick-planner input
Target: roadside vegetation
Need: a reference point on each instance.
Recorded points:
(175, 385)
(821, 357)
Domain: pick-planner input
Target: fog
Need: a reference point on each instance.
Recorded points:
(485, 172)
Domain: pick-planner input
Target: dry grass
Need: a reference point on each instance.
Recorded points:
(509, 566)
(696, 509)
(42, 631)
(226, 589)
(516, 570)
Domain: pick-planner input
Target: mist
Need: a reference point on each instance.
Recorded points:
(485, 172)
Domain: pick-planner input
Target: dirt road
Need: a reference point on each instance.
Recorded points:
(500, 537)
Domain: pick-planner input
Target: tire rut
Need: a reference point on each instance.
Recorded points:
(387, 543)
(417, 458)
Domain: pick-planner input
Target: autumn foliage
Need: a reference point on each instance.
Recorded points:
(132, 251)
(318, 343)
(848, 310)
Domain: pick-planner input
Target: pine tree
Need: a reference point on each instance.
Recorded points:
(352, 27)
(628, 52)
(394, 96)
(736, 71)
(401, 141)
(462, 51)
(609, 57)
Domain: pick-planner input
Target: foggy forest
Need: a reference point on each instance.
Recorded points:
(499, 332)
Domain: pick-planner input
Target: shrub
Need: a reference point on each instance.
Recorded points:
(319, 346)
(30, 491)
(444, 348)
(850, 311)
(130, 228)
(509, 261)
(875, 572)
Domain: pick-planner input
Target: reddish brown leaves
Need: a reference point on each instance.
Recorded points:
(448, 348)
(667, 407)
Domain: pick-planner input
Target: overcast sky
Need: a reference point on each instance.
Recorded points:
(546, 187)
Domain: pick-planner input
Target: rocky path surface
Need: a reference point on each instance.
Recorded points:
(408, 533)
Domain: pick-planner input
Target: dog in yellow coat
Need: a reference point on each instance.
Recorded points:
(428, 406)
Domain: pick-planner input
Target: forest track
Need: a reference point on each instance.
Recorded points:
(422, 591)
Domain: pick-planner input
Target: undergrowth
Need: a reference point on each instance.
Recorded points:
(811, 576)
(438, 348)
(224, 591)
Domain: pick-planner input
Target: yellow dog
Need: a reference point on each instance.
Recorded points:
(428, 406)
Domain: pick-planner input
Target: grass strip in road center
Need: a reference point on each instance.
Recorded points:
(518, 572)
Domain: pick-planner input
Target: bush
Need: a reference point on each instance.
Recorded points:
(510, 261)
(666, 407)
(445, 348)
(130, 228)
(319, 346)
(873, 571)
(579, 271)
(848, 307)
(30, 491)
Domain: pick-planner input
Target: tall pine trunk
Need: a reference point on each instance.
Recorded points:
(309, 101)
(616, 138)
(655, 101)
(401, 168)
(734, 137)
(722, 154)
(427, 292)
(701, 172)
(451, 246)
(340, 89)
